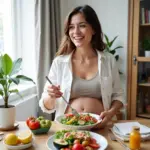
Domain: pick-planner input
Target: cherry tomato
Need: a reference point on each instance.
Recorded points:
(29, 119)
(69, 115)
(76, 141)
(93, 141)
(78, 147)
(94, 145)
(34, 124)
(87, 118)
(94, 119)
(67, 149)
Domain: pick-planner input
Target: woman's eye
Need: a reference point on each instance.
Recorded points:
(70, 27)
(82, 25)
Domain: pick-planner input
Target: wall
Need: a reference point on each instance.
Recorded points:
(27, 105)
(113, 15)
(27, 108)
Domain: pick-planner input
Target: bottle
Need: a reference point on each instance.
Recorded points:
(135, 138)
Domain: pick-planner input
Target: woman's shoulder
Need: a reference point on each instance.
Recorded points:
(106, 55)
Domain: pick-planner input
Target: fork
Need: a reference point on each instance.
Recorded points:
(72, 109)
(114, 138)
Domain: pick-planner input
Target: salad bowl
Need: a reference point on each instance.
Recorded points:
(77, 139)
(85, 121)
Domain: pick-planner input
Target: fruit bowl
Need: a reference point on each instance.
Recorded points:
(21, 140)
(38, 125)
(40, 130)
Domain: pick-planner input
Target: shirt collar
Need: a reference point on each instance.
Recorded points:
(100, 54)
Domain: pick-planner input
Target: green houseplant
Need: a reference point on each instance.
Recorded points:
(9, 75)
(109, 45)
(146, 46)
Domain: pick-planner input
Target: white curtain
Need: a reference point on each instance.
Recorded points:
(47, 38)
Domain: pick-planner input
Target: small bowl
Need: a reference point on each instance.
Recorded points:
(19, 146)
(40, 131)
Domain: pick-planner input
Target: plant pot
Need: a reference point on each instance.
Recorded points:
(147, 53)
(7, 116)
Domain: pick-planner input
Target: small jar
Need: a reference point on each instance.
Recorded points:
(135, 138)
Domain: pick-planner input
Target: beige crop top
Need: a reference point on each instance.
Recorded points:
(86, 88)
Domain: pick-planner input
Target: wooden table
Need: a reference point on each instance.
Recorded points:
(40, 140)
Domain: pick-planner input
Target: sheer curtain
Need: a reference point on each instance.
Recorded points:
(47, 37)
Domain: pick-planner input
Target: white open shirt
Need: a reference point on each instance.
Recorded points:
(61, 74)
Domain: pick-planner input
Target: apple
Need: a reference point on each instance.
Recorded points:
(40, 118)
(48, 122)
(44, 124)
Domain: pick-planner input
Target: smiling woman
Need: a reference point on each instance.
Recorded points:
(82, 72)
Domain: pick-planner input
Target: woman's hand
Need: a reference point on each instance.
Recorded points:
(54, 91)
(106, 116)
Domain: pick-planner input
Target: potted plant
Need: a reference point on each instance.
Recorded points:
(109, 45)
(109, 48)
(146, 46)
(9, 75)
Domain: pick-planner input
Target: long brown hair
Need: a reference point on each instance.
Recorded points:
(67, 46)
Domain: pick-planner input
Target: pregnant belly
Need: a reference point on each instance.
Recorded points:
(86, 104)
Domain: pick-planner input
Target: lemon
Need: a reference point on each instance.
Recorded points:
(25, 136)
(11, 139)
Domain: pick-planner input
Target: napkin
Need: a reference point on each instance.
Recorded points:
(126, 128)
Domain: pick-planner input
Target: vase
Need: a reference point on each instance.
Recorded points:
(7, 116)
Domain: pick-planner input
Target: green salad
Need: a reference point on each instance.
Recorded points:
(80, 120)
(74, 140)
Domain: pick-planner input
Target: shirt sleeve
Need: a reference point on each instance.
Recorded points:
(53, 77)
(118, 93)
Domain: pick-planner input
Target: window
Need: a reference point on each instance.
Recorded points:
(1, 33)
(17, 33)
(5, 27)
(17, 38)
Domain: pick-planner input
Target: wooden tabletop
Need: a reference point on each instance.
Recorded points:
(40, 140)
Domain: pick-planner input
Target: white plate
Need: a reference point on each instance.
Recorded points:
(18, 147)
(126, 137)
(100, 140)
(84, 127)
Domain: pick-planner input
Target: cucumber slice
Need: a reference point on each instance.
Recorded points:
(81, 122)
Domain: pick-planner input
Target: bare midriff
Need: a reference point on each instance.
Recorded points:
(86, 104)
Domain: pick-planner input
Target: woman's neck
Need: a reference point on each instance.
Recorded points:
(84, 53)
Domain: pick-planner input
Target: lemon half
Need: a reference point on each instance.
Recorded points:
(25, 136)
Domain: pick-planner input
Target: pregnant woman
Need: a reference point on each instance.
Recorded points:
(82, 72)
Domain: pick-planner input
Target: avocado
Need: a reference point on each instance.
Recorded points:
(60, 143)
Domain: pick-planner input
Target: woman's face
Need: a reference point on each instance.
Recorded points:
(80, 31)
